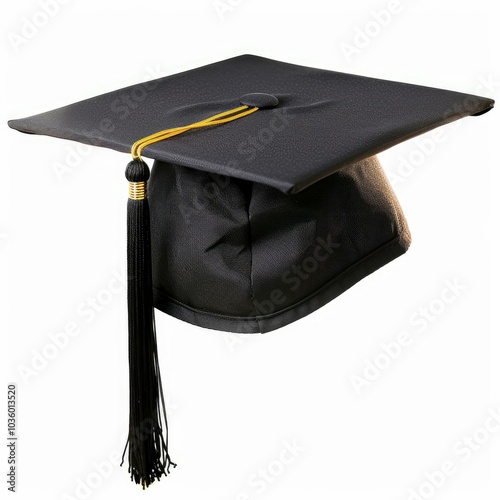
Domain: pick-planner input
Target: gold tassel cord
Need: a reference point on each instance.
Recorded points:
(218, 119)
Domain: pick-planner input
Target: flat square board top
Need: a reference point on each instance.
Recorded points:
(324, 119)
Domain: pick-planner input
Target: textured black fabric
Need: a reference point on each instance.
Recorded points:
(260, 221)
(324, 120)
(240, 256)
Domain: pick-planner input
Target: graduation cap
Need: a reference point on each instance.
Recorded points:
(265, 200)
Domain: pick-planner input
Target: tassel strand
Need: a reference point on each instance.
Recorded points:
(148, 430)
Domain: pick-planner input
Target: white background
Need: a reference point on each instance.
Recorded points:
(235, 400)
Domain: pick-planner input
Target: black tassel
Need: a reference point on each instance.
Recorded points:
(148, 431)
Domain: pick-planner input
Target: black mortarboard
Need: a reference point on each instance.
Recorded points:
(265, 201)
